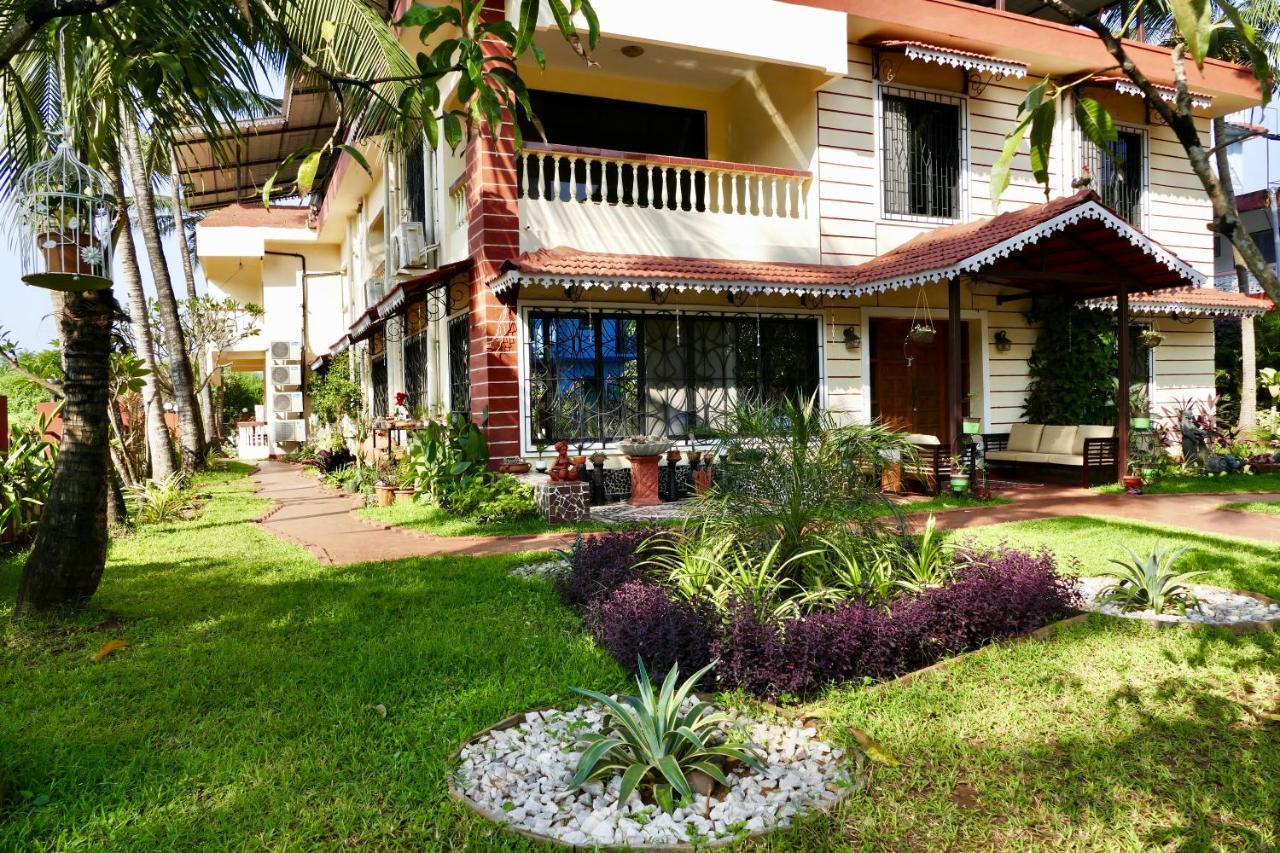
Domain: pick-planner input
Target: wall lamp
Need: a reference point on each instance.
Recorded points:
(851, 339)
(1002, 342)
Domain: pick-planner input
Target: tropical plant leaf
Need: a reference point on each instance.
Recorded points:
(1194, 20)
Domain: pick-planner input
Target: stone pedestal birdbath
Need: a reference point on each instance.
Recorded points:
(643, 454)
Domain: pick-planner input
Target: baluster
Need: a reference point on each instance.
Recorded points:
(678, 175)
(773, 195)
(530, 186)
(759, 194)
(573, 178)
(733, 193)
(659, 193)
(786, 198)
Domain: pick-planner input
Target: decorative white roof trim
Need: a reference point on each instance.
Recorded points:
(961, 59)
(587, 282)
(1167, 94)
(1088, 210)
(361, 326)
(1149, 306)
(394, 300)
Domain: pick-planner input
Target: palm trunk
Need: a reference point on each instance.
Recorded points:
(184, 396)
(117, 510)
(158, 448)
(70, 550)
(1248, 346)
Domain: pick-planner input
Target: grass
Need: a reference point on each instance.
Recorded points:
(943, 502)
(1263, 507)
(435, 521)
(245, 714)
(1187, 484)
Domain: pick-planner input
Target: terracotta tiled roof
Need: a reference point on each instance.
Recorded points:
(958, 58)
(1195, 301)
(257, 216)
(1256, 200)
(563, 262)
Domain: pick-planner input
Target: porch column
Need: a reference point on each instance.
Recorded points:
(955, 360)
(1122, 398)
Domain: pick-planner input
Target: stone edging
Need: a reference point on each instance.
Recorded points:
(859, 776)
(1239, 629)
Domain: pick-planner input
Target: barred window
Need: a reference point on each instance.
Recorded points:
(922, 155)
(459, 365)
(594, 377)
(1119, 176)
(378, 373)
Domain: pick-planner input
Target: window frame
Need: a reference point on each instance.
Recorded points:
(612, 310)
(961, 102)
(1144, 198)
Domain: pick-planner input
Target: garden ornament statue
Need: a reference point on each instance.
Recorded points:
(1193, 446)
(563, 471)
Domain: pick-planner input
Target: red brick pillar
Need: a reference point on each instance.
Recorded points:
(493, 237)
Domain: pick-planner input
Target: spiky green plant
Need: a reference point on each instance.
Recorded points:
(166, 499)
(1151, 583)
(653, 744)
(926, 565)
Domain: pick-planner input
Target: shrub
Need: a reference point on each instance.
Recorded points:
(493, 501)
(1151, 583)
(600, 565)
(26, 472)
(756, 657)
(641, 621)
(166, 499)
(994, 596)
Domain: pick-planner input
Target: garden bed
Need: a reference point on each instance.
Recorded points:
(518, 774)
(1223, 608)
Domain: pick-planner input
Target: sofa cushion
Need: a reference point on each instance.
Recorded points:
(1085, 432)
(1024, 438)
(921, 439)
(1063, 459)
(1015, 456)
(1057, 439)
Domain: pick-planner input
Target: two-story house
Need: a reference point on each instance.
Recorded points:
(744, 197)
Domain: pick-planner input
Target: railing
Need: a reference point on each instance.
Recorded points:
(458, 203)
(1227, 281)
(557, 173)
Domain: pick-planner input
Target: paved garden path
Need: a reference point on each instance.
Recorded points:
(1196, 512)
(325, 524)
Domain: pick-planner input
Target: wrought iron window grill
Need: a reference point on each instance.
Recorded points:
(460, 365)
(594, 376)
(923, 153)
(1119, 177)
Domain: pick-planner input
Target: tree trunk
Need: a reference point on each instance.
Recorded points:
(1248, 347)
(158, 447)
(184, 396)
(70, 550)
(117, 511)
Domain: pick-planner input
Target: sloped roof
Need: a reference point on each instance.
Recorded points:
(1197, 301)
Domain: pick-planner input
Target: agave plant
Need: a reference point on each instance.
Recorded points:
(166, 499)
(655, 744)
(1151, 584)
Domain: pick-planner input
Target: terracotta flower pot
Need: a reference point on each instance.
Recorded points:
(405, 496)
(702, 481)
(62, 252)
(385, 495)
(1133, 485)
(516, 468)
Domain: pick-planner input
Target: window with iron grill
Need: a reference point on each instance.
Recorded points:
(460, 365)
(1118, 176)
(415, 373)
(378, 376)
(922, 139)
(594, 377)
(415, 183)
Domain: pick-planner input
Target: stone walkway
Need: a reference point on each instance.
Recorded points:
(325, 523)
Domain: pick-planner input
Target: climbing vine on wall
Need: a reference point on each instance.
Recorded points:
(1072, 368)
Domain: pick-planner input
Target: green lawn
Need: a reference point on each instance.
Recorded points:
(245, 714)
(1188, 485)
(1264, 507)
(943, 502)
(435, 521)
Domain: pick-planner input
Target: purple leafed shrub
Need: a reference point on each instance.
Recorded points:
(994, 596)
(640, 618)
(600, 565)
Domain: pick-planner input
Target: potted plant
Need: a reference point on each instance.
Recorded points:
(981, 487)
(514, 465)
(921, 334)
(1133, 480)
(959, 476)
(1149, 338)
(540, 464)
(972, 426)
(1139, 408)
(673, 457)
(643, 445)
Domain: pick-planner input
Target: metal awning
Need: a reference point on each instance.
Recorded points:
(222, 171)
(967, 60)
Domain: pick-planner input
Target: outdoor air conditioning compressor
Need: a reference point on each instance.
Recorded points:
(286, 375)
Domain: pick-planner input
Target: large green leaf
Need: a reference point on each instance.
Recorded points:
(1259, 59)
(1194, 20)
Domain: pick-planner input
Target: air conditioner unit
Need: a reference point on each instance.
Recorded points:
(286, 350)
(373, 292)
(286, 375)
(409, 245)
(284, 431)
(286, 402)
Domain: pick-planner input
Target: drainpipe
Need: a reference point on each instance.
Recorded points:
(1273, 202)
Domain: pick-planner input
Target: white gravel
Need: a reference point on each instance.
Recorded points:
(1217, 606)
(522, 775)
(544, 570)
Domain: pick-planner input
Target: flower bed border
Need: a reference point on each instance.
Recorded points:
(1240, 629)
(859, 777)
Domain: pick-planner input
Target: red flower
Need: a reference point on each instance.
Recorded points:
(401, 397)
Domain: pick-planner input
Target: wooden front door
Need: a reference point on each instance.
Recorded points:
(909, 380)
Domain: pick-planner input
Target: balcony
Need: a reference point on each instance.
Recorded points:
(612, 201)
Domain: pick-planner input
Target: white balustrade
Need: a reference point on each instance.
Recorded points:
(580, 176)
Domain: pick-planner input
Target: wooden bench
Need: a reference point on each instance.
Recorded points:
(1088, 448)
(933, 462)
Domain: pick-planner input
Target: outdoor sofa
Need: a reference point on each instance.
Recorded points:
(1088, 448)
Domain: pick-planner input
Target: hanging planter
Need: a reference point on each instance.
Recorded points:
(972, 426)
(1150, 338)
(922, 335)
(62, 224)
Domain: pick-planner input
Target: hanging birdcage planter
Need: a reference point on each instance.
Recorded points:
(61, 224)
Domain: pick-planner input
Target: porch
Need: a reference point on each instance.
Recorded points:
(614, 345)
